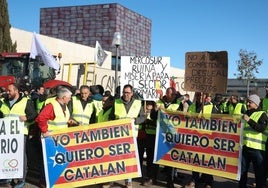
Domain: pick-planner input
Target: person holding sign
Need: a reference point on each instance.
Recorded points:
(169, 102)
(205, 108)
(128, 107)
(255, 135)
(55, 115)
(81, 106)
(17, 105)
(147, 142)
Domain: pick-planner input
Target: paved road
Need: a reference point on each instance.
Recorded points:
(32, 181)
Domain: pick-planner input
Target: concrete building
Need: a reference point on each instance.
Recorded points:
(90, 23)
(74, 54)
(240, 87)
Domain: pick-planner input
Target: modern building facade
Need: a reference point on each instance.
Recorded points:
(90, 23)
(241, 87)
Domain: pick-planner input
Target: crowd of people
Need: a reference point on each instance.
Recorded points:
(64, 107)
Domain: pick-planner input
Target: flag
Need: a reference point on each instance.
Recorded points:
(38, 49)
(100, 54)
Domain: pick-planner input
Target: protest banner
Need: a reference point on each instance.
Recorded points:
(193, 142)
(148, 75)
(12, 148)
(206, 72)
(87, 155)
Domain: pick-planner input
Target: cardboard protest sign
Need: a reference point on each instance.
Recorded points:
(87, 155)
(206, 72)
(195, 143)
(148, 75)
(11, 148)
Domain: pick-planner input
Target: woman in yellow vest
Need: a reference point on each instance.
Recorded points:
(254, 138)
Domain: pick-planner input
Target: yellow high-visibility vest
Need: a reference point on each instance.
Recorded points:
(79, 114)
(61, 119)
(120, 112)
(18, 109)
(252, 138)
(104, 116)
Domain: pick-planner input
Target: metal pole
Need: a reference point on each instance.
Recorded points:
(116, 69)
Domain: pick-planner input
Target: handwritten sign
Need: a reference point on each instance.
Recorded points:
(88, 155)
(148, 75)
(206, 72)
(11, 148)
(199, 144)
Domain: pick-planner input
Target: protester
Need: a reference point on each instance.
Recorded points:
(207, 109)
(146, 144)
(81, 106)
(169, 102)
(55, 115)
(185, 102)
(97, 95)
(254, 138)
(235, 107)
(128, 107)
(107, 104)
(39, 98)
(17, 105)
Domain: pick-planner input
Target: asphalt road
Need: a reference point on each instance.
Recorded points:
(184, 176)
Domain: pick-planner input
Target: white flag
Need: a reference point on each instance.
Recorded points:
(38, 49)
(100, 54)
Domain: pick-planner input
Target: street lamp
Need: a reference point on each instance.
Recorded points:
(116, 42)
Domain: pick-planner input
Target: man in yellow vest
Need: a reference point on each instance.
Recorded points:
(146, 143)
(107, 104)
(255, 135)
(235, 107)
(39, 98)
(17, 105)
(206, 108)
(128, 107)
(55, 115)
(97, 96)
(169, 102)
(81, 106)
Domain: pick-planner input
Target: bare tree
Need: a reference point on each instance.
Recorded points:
(247, 66)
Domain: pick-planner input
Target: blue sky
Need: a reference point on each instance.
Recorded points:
(180, 26)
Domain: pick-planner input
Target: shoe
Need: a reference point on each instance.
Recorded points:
(5, 181)
(42, 184)
(20, 184)
(191, 184)
(128, 184)
(170, 185)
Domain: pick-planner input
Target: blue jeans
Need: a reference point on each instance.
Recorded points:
(257, 157)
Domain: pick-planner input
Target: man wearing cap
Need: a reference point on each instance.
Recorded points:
(254, 138)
